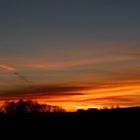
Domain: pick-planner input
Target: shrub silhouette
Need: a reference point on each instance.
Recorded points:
(29, 107)
(92, 110)
(80, 111)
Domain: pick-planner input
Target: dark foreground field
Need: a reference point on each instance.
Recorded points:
(69, 122)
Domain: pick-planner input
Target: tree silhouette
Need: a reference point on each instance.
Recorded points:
(29, 107)
(92, 110)
(10, 107)
(80, 111)
(21, 107)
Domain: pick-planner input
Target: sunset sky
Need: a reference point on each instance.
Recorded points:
(71, 53)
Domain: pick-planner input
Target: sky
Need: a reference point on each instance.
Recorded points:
(70, 53)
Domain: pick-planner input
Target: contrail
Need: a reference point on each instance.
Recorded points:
(14, 71)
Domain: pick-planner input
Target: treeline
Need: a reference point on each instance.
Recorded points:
(28, 106)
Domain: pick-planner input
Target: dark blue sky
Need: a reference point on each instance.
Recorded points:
(36, 21)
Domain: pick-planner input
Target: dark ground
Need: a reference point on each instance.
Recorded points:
(69, 124)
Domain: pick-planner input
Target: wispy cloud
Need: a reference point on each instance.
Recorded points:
(117, 99)
(81, 62)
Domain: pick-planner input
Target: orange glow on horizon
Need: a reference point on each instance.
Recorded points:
(123, 95)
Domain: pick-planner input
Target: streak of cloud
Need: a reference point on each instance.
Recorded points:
(81, 62)
(49, 91)
(8, 68)
(14, 71)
